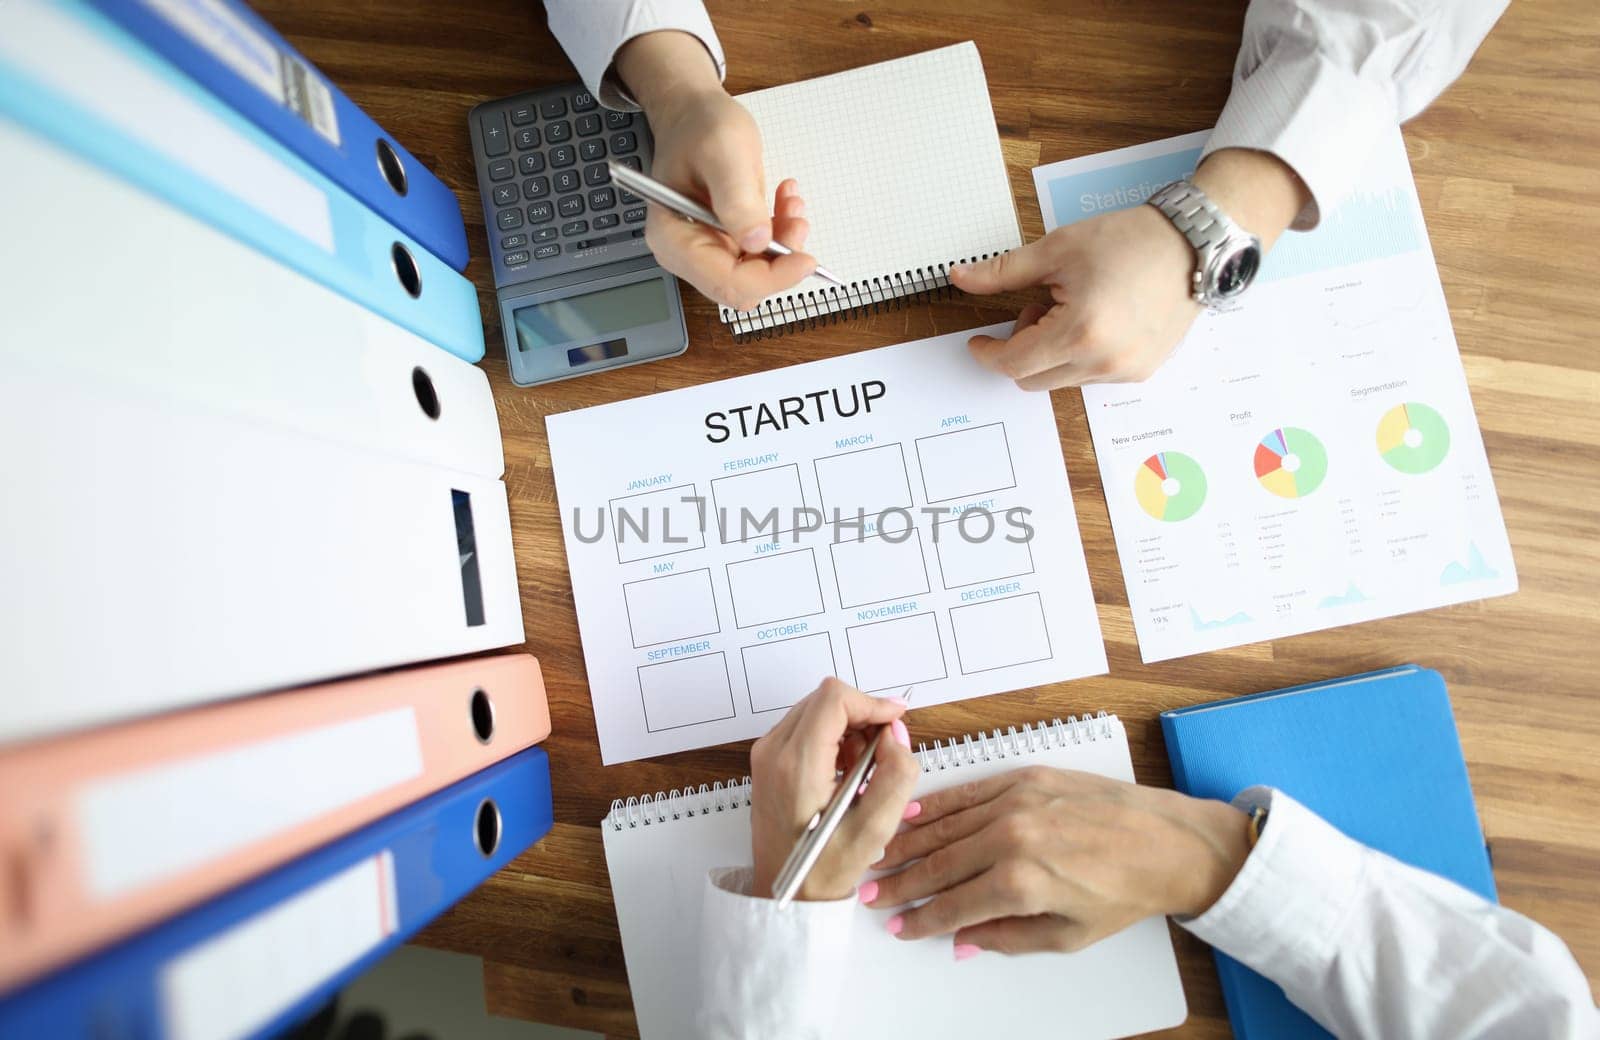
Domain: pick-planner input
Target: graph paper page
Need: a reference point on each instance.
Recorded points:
(899, 164)
(1309, 456)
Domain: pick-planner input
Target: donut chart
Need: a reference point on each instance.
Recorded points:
(1170, 486)
(1291, 462)
(1413, 438)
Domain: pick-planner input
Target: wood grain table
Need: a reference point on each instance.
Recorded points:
(1506, 163)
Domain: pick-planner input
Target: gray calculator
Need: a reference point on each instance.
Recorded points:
(578, 289)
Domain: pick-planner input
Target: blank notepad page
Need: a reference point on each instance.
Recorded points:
(900, 167)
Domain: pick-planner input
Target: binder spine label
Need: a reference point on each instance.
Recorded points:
(234, 42)
(282, 953)
(143, 827)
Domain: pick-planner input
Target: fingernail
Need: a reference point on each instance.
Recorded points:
(913, 810)
(901, 735)
(883, 854)
(895, 924)
(868, 891)
(966, 950)
(755, 240)
(862, 789)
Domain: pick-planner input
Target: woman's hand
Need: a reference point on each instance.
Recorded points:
(1051, 859)
(792, 774)
(708, 147)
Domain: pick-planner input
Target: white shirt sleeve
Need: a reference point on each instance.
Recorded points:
(769, 973)
(1371, 947)
(592, 31)
(1318, 80)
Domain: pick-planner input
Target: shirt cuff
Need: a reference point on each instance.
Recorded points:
(1283, 913)
(1321, 120)
(766, 970)
(592, 33)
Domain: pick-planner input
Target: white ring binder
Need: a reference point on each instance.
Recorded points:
(968, 749)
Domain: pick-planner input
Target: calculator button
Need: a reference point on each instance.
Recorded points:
(501, 169)
(596, 174)
(606, 220)
(574, 227)
(625, 142)
(514, 241)
(589, 151)
(632, 162)
(526, 138)
(618, 120)
(633, 216)
(602, 198)
(505, 194)
(566, 180)
(539, 213)
(563, 155)
(553, 107)
(544, 234)
(515, 259)
(583, 101)
(558, 131)
(533, 163)
(638, 233)
(508, 219)
(495, 139)
(522, 115)
(571, 206)
(536, 188)
(546, 252)
(588, 125)
(628, 197)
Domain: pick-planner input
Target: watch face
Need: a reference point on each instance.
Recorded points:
(1238, 271)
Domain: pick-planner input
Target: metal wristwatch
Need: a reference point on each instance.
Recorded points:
(1227, 256)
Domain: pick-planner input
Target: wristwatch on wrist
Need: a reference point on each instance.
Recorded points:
(1227, 256)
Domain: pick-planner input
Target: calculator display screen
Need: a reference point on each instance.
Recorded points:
(591, 315)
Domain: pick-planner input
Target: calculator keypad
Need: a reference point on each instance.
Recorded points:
(541, 161)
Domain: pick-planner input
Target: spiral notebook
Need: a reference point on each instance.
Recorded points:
(900, 167)
(660, 847)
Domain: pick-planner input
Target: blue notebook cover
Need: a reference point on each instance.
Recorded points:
(1376, 755)
(232, 52)
(260, 958)
(76, 78)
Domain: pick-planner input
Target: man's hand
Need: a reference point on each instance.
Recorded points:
(709, 148)
(1051, 859)
(1120, 282)
(792, 772)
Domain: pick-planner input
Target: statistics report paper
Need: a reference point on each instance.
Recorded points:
(896, 517)
(1309, 456)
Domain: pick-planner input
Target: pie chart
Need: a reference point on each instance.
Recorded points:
(1291, 462)
(1170, 486)
(1413, 438)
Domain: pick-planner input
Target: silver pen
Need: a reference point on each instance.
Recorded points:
(653, 190)
(809, 848)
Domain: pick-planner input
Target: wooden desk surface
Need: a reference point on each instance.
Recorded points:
(1506, 163)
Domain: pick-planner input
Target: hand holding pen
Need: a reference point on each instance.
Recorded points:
(794, 769)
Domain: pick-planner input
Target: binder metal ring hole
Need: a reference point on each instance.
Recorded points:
(392, 169)
(482, 716)
(486, 832)
(405, 269)
(427, 396)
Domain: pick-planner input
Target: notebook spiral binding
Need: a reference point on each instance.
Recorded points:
(644, 810)
(806, 310)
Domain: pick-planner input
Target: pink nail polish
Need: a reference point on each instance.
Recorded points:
(902, 736)
(868, 891)
(966, 950)
(913, 810)
(895, 924)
